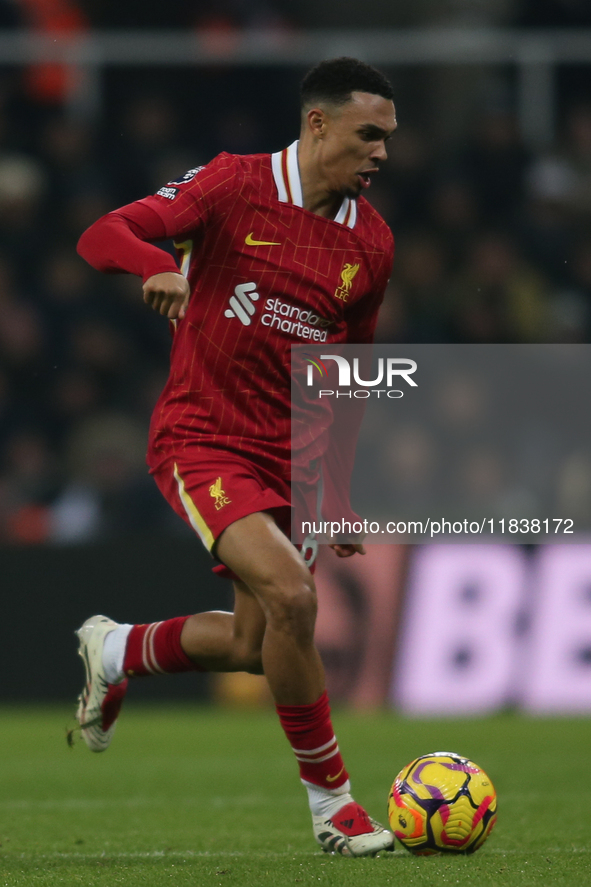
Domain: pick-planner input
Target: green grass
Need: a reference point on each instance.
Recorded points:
(204, 797)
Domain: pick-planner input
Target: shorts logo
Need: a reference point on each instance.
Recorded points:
(347, 275)
(241, 303)
(170, 193)
(216, 492)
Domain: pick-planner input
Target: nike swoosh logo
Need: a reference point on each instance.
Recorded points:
(249, 241)
(334, 778)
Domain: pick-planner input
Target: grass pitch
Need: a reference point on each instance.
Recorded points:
(198, 796)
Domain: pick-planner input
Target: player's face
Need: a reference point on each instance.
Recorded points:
(354, 142)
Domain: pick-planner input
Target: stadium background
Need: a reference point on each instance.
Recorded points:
(488, 192)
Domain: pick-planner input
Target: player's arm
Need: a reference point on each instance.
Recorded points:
(120, 242)
(123, 241)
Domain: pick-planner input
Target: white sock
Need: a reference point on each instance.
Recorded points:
(326, 802)
(114, 653)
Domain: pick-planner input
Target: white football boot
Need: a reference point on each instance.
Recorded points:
(100, 702)
(351, 832)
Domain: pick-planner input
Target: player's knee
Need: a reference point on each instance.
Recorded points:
(293, 610)
(288, 596)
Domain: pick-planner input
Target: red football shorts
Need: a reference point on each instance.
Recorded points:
(211, 490)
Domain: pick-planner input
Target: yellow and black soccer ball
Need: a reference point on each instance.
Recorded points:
(442, 803)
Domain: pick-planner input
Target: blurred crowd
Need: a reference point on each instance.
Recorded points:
(493, 245)
(494, 241)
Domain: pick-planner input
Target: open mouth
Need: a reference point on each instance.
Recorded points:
(365, 177)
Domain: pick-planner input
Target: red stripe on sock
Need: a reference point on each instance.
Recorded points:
(155, 648)
(310, 733)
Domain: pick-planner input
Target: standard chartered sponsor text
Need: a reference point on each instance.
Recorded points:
(296, 321)
(431, 528)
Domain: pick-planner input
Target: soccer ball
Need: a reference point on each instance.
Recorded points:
(442, 803)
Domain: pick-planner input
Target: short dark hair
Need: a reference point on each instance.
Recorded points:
(335, 79)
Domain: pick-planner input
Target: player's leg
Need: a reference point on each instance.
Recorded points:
(212, 641)
(218, 641)
(257, 551)
(224, 641)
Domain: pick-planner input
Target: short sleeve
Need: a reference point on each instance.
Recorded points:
(190, 202)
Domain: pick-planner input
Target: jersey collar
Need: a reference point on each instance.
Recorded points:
(286, 173)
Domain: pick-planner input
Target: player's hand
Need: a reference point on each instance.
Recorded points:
(347, 550)
(168, 293)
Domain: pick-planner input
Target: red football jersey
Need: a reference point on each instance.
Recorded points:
(264, 273)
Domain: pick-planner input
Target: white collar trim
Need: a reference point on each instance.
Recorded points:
(286, 173)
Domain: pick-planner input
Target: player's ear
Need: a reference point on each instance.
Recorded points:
(316, 122)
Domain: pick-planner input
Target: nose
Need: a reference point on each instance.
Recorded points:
(379, 153)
